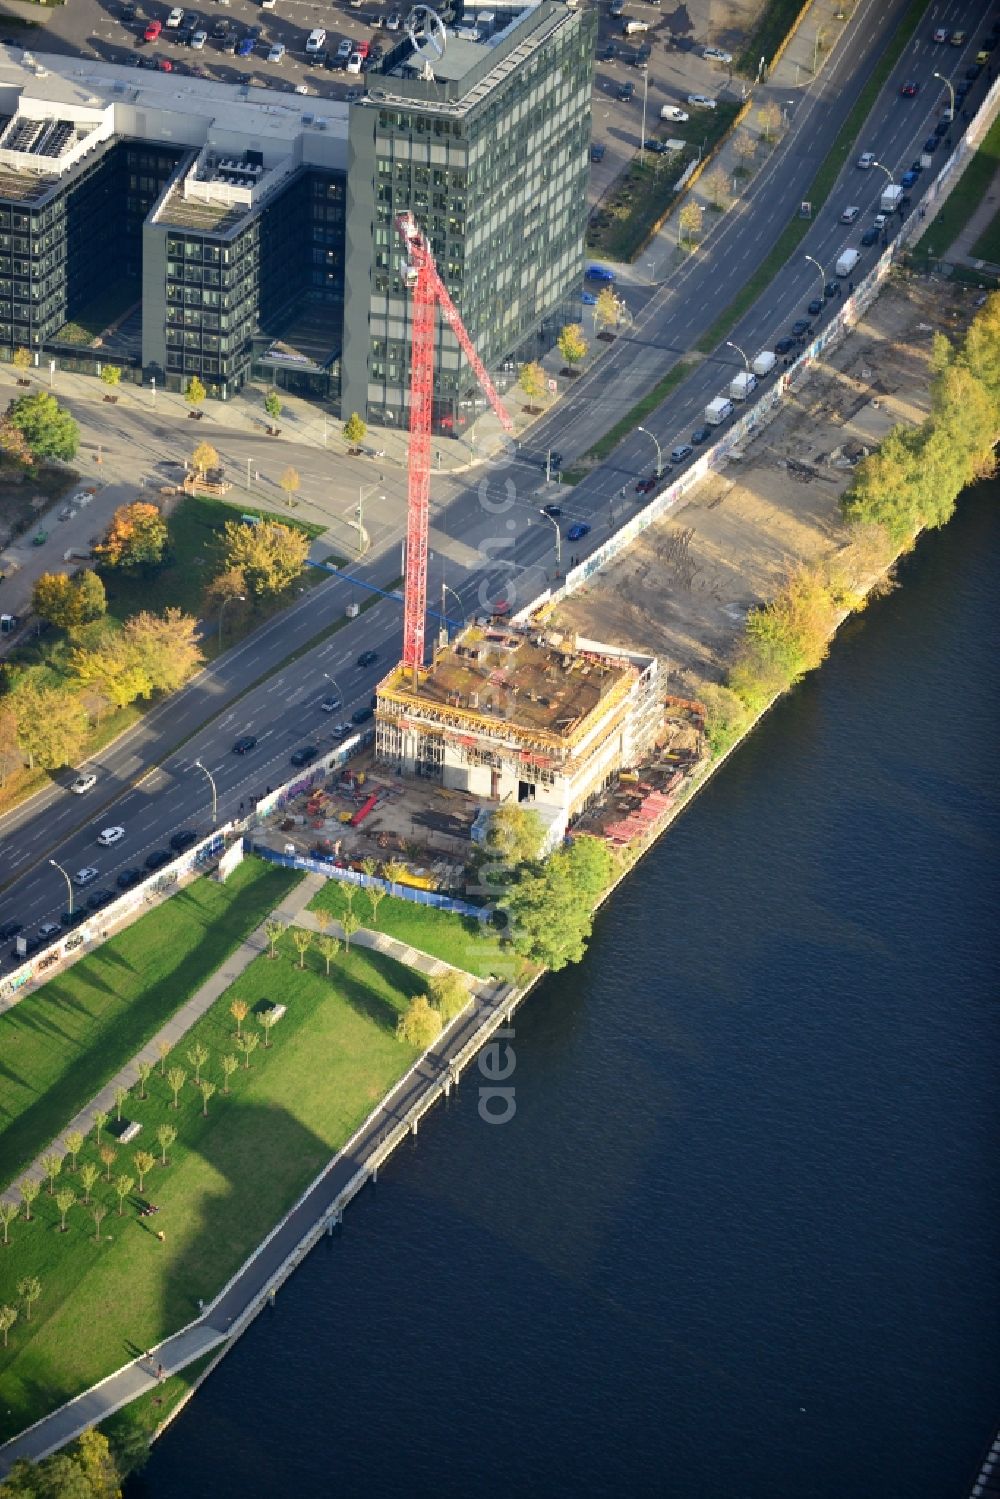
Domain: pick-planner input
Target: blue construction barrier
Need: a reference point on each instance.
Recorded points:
(353, 877)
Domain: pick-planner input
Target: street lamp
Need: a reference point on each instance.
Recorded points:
(822, 273)
(447, 588)
(222, 612)
(334, 683)
(555, 524)
(152, 381)
(69, 882)
(659, 451)
(883, 169)
(211, 782)
(52, 373)
(950, 87)
(731, 345)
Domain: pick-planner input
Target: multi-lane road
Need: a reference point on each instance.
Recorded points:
(488, 539)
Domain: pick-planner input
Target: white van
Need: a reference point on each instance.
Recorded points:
(631, 28)
(764, 362)
(316, 40)
(845, 265)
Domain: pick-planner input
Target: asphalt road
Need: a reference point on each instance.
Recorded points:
(488, 540)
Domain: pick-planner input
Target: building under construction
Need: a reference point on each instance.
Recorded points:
(508, 713)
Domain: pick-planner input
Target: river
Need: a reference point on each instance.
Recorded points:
(740, 1240)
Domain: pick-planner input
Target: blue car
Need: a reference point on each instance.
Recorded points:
(908, 178)
(578, 532)
(599, 273)
(245, 47)
(588, 299)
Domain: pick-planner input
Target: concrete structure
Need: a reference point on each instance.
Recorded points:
(245, 221)
(513, 714)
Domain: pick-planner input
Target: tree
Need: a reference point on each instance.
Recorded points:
(166, 648)
(29, 1288)
(769, 121)
(69, 602)
(376, 895)
(571, 344)
(15, 453)
(203, 458)
(123, 1186)
(689, 220)
(247, 1044)
(549, 917)
(515, 834)
(268, 1020)
(194, 392)
(166, 1135)
(290, 483)
(302, 941)
(144, 1161)
(49, 431)
(606, 310)
(272, 405)
(163, 1050)
(21, 359)
(144, 1069)
(91, 598)
(111, 375)
(89, 1175)
(229, 1065)
(51, 723)
(64, 1201)
(532, 382)
(392, 872)
(238, 1009)
(448, 992)
(74, 1144)
(274, 930)
(270, 556)
(208, 1088)
(137, 537)
(29, 1190)
(225, 586)
(328, 947)
(100, 1120)
(8, 1212)
(419, 1025)
(350, 924)
(92, 1453)
(51, 1164)
(10, 757)
(98, 1212)
(354, 430)
(198, 1055)
(108, 1155)
(717, 188)
(121, 1095)
(176, 1078)
(744, 148)
(8, 1316)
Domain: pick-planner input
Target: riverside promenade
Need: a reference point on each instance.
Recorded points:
(316, 1212)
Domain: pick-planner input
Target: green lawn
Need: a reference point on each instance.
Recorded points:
(966, 196)
(459, 940)
(62, 1043)
(130, 1430)
(230, 1175)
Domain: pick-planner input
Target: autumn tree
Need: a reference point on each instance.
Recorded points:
(68, 602)
(166, 1135)
(111, 375)
(137, 537)
(354, 430)
(717, 188)
(515, 834)
(689, 223)
(744, 148)
(98, 1212)
(448, 992)
(607, 309)
(21, 359)
(207, 1090)
(198, 1055)
(571, 344)
(49, 431)
(274, 930)
(123, 1186)
(769, 121)
(225, 586)
(350, 924)
(74, 1144)
(166, 648)
(328, 948)
(10, 754)
(229, 1064)
(144, 1069)
(100, 1120)
(290, 483)
(247, 1044)
(108, 1155)
(238, 1009)
(121, 1098)
(15, 454)
(204, 458)
(302, 939)
(51, 722)
(419, 1025)
(268, 1020)
(272, 405)
(270, 556)
(194, 392)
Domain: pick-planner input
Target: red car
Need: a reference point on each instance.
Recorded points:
(645, 485)
(165, 65)
(153, 30)
(910, 90)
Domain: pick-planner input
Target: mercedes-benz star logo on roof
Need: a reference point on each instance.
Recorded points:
(427, 35)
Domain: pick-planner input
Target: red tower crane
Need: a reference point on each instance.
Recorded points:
(422, 278)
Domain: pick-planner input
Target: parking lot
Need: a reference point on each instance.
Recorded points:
(115, 31)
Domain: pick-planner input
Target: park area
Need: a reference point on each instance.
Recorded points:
(237, 1120)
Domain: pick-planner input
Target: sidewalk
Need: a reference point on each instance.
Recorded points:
(179, 1024)
(960, 252)
(413, 957)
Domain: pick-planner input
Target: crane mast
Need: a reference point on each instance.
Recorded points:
(428, 291)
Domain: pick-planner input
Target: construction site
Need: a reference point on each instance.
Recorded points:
(683, 589)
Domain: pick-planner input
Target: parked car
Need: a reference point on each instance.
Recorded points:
(703, 101)
(48, 930)
(941, 34)
(931, 144)
(198, 40)
(801, 327)
(716, 54)
(74, 917)
(942, 127)
(85, 782)
(354, 62)
(127, 878)
(831, 289)
(182, 839)
(345, 49)
(152, 31)
(221, 28)
(700, 435)
(99, 898)
(245, 46)
(578, 531)
(908, 178)
(362, 715)
(973, 73)
(341, 731)
(784, 345)
(367, 658)
(673, 112)
(164, 64)
(110, 835)
(157, 858)
(870, 237)
(815, 307)
(305, 754)
(245, 744)
(958, 39)
(626, 92)
(597, 152)
(646, 486)
(658, 148)
(276, 52)
(316, 39)
(332, 702)
(587, 298)
(175, 17)
(10, 929)
(850, 214)
(599, 273)
(85, 875)
(683, 450)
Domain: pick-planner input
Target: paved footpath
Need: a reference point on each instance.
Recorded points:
(239, 1301)
(979, 221)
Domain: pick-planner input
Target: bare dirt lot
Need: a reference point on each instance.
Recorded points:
(683, 589)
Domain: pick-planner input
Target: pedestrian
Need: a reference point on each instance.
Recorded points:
(160, 1371)
(201, 1303)
(241, 808)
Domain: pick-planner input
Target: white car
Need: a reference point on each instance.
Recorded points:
(175, 17)
(316, 40)
(198, 40)
(354, 63)
(673, 112)
(277, 52)
(702, 101)
(851, 214)
(345, 49)
(866, 160)
(84, 783)
(394, 21)
(85, 875)
(881, 219)
(716, 54)
(109, 836)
